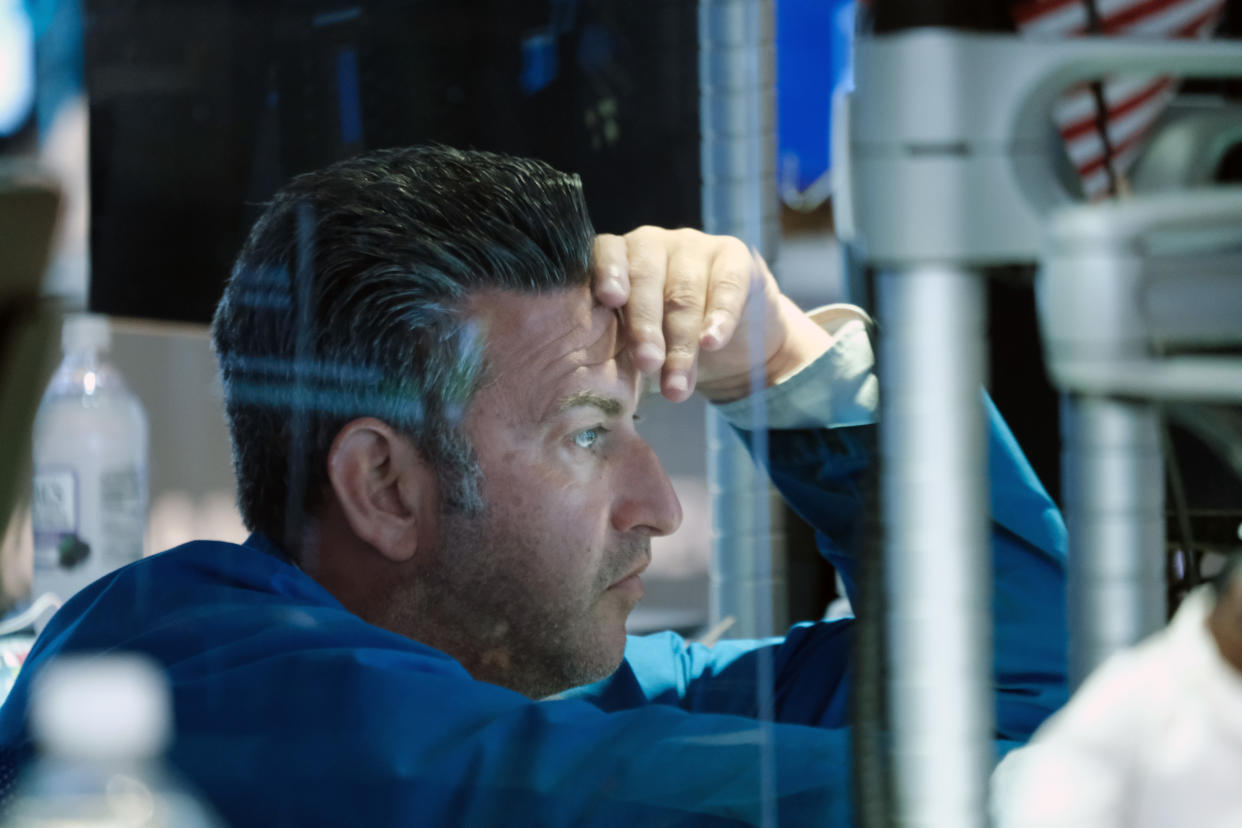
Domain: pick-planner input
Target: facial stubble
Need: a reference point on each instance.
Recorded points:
(481, 599)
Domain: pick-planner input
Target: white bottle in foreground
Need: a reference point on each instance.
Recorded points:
(89, 502)
(100, 723)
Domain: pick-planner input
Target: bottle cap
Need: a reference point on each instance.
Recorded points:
(101, 707)
(85, 332)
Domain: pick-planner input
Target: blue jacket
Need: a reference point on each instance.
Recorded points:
(290, 711)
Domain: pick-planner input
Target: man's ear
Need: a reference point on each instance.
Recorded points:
(385, 489)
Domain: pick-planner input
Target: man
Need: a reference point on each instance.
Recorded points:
(431, 370)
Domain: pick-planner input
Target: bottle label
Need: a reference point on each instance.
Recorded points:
(87, 523)
(54, 503)
(56, 518)
(122, 495)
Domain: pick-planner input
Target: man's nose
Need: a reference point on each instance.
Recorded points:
(645, 499)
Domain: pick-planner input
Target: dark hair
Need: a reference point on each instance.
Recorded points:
(347, 300)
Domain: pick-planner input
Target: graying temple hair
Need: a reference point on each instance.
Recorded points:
(347, 300)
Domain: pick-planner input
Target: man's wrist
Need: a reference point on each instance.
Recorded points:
(804, 342)
(837, 388)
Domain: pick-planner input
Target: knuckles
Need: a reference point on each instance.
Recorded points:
(684, 298)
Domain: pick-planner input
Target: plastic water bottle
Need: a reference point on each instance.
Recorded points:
(101, 724)
(89, 502)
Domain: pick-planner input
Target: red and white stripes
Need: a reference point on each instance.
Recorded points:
(1134, 103)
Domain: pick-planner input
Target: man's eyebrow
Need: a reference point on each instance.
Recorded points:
(611, 406)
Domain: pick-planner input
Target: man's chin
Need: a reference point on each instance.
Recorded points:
(610, 651)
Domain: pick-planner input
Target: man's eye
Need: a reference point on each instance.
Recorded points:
(587, 437)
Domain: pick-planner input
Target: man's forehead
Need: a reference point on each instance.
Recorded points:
(547, 327)
(552, 353)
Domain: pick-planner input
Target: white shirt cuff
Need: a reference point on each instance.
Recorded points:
(837, 389)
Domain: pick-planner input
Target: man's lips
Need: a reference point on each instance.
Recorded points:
(631, 585)
(631, 579)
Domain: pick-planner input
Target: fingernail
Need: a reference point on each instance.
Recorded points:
(650, 353)
(612, 285)
(677, 383)
(713, 329)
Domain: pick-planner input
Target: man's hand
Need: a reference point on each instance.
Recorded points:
(687, 301)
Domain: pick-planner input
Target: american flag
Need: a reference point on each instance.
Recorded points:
(1133, 103)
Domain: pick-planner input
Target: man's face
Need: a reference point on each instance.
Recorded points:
(541, 581)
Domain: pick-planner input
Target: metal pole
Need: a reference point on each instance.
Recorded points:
(1114, 510)
(937, 560)
(737, 88)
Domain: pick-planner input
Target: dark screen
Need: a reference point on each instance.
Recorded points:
(200, 110)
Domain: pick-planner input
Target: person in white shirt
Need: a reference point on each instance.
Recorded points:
(1152, 738)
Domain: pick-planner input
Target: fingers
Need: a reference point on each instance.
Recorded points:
(644, 313)
(610, 281)
(680, 291)
(732, 272)
(685, 296)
